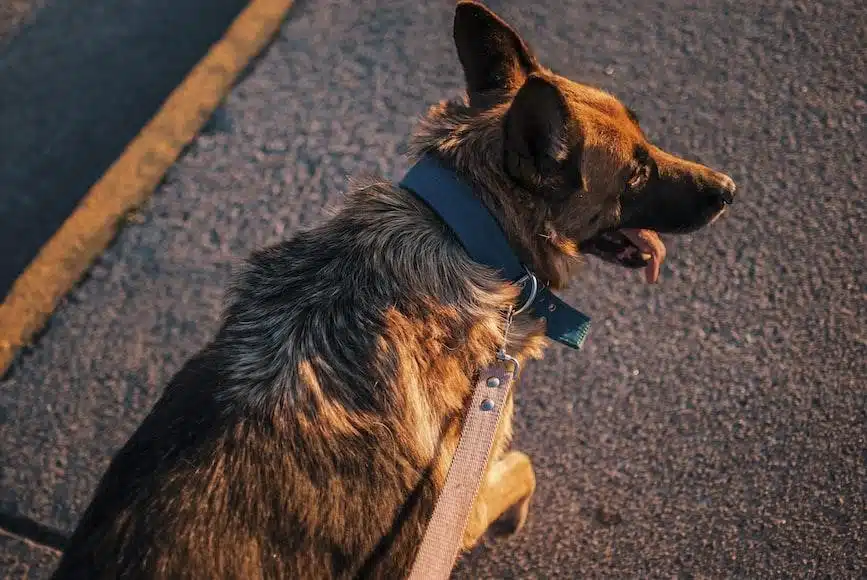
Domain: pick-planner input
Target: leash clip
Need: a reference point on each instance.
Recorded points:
(507, 358)
(502, 355)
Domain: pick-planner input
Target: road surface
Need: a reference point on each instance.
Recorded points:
(714, 426)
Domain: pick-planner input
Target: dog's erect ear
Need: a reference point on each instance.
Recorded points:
(493, 56)
(538, 137)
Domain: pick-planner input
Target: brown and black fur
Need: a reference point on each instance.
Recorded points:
(311, 437)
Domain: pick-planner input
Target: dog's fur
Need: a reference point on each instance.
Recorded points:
(312, 436)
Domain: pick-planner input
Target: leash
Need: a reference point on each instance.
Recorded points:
(481, 236)
(439, 549)
(442, 541)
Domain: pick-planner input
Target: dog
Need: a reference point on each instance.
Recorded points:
(311, 437)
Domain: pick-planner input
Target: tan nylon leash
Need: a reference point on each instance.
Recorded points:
(442, 540)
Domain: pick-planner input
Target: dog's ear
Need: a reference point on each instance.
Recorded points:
(494, 57)
(538, 137)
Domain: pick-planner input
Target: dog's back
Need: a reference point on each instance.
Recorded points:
(286, 449)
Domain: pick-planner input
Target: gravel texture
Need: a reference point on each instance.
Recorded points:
(715, 426)
(21, 559)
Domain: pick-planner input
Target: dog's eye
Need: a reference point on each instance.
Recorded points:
(639, 177)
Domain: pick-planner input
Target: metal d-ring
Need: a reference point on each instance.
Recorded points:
(534, 287)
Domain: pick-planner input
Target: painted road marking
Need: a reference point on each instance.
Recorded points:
(132, 178)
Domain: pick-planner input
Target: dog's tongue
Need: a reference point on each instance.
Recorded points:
(648, 242)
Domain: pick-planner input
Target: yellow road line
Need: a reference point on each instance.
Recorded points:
(132, 178)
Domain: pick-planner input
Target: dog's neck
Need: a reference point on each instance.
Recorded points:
(471, 142)
(456, 203)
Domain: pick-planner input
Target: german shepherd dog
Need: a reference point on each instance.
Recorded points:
(312, 436)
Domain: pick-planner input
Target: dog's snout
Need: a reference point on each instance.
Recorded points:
(727, 189)
(720, 187)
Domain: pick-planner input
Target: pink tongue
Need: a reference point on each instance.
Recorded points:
(648, 242)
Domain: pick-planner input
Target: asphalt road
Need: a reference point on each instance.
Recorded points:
(715, 426)
(77, 84)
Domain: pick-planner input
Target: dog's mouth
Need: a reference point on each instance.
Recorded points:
(630, 248)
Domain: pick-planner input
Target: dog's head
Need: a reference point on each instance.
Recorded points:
(582, 175)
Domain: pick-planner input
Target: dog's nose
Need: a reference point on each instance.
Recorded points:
(726, 189)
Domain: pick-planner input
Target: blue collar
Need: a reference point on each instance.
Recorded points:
(484, 240)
